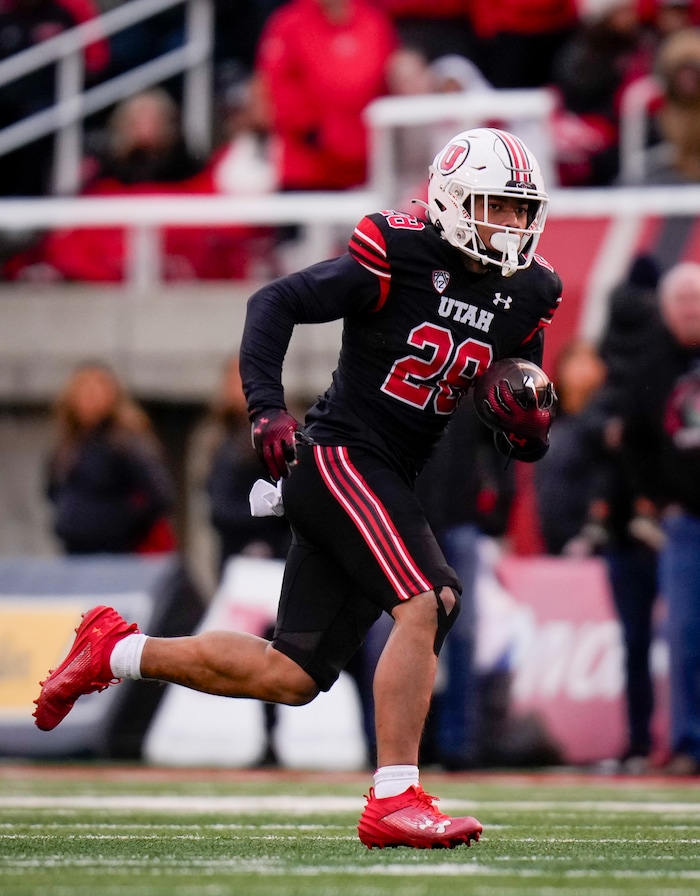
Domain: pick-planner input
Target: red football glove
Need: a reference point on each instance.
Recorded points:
(273, 439)
(512, 417)
(516, 399)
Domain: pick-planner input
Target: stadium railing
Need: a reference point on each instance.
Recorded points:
(74, 103)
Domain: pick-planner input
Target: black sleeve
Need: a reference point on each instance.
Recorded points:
(326, 291)
(545, 283)
(533, 349)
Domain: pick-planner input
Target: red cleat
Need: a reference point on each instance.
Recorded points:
(413, 819)
(85, 670)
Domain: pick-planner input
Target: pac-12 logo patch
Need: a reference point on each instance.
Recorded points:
(440, 280)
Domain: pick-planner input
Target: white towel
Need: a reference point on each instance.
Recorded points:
(266, 499)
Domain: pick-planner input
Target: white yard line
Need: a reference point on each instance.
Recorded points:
(265, 868)
(303, 805)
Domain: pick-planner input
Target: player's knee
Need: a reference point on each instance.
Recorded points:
(297, 692)
(448, 607)
(288, 682)
(302, 697)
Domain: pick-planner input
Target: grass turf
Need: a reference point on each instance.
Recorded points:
(76, 829)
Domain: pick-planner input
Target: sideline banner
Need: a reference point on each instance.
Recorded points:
(41, 602)
(567, 655)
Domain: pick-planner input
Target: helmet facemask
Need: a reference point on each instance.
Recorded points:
(472, 170)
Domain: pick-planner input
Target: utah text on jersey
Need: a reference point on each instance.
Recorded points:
(464, 313)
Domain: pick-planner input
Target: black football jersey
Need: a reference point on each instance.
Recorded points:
(418, 328)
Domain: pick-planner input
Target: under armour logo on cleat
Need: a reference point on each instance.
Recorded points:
(440, 827)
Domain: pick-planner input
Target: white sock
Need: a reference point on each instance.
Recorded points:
(391, 780)
(125, 660)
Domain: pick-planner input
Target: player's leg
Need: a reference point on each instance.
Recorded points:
(107, 649)
(230, 664)
(398, 811)
(405, 676)
(371, 529)
(236, 664)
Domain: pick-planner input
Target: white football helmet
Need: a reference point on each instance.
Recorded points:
(486, 162)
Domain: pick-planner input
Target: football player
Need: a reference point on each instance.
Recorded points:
(429, 302)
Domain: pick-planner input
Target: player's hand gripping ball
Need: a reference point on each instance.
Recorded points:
(516, 399)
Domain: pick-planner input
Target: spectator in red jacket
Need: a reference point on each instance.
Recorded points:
(323, 61)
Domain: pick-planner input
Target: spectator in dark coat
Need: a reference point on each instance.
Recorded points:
(604, 56)
(613, 528)
(575, 466)
(108, 482)
(662, 453)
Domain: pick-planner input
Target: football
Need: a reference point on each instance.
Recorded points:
(529, 384)
(516, 399)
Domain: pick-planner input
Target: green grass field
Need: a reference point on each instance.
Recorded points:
(74, 830)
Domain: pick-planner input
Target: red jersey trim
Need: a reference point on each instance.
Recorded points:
(368, 247)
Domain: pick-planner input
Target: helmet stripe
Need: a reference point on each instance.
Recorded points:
(521, 166)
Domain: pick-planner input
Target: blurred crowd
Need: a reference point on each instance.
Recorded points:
(291, 82)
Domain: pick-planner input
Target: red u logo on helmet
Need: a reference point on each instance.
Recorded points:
(453, 157)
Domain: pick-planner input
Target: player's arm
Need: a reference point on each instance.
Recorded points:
(533, 349)
(520, 413)
(547, 288)
(323, 292)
